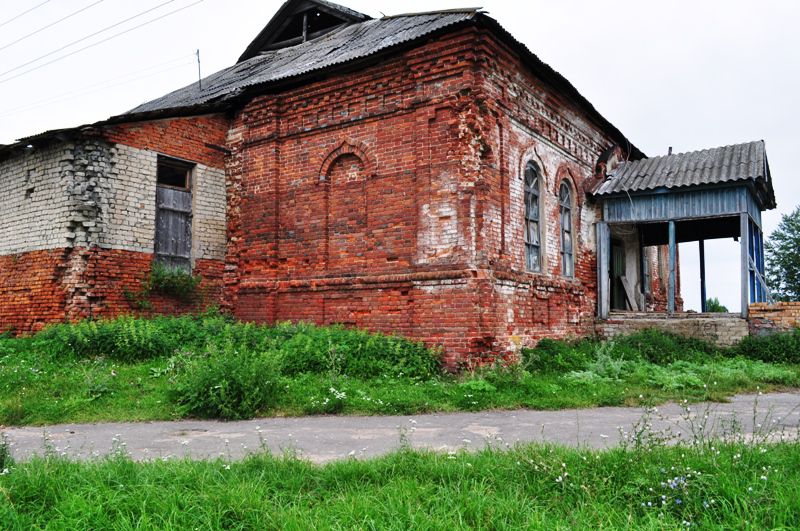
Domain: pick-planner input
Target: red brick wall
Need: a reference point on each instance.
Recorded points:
(75, 283)
(185, 138)
(42, 287)
(385, 199)
(345, 204)
(31, 294)
(110, 274)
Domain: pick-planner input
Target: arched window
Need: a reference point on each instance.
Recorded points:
(565, 213)
(533, 248)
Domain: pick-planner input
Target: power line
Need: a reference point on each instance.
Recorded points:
(86, 37)
(95, 88)
(12, 19)
(31, 34)
(99, 42)
(129, 77)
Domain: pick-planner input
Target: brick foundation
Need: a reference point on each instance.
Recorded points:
(43, 287)
(31, 293)
(723, 330)
(767, 318)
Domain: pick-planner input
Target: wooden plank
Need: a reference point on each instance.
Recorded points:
(632, 304)
(173, 241)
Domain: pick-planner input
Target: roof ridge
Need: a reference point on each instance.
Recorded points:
(693, 152)
(436, 12)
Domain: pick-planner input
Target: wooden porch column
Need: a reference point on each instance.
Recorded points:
(603, 261)
(703, 307)
(744, 238)
(672, 257)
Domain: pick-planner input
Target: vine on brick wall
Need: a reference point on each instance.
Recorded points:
(170, 281)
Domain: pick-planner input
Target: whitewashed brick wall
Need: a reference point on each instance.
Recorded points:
(34, 204)
(90, 193)
(209, 223)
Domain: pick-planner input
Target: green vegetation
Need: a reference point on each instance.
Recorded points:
(719, 486)
(782, 258)
(171, 281)
(714, 306)
(211, 366)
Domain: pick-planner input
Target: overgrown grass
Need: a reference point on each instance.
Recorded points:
(721, 486)
(211, 366)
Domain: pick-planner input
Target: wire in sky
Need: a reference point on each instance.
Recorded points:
(12, 19)
(111, 83)
(86, 37)
(98, 42)
(31, 34)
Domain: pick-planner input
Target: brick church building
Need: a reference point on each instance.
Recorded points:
(422, 174)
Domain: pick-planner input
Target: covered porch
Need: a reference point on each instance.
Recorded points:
(649, 206)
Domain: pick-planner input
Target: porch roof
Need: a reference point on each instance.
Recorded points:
(740, 164)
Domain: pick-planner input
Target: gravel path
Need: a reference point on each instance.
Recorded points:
(322, 439)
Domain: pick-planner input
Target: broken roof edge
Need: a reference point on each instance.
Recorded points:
(66, 133)
(288, 9)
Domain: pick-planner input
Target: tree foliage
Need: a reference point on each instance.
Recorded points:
(714, 306)
(783, 258)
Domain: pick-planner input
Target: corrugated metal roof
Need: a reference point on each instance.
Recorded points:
(346, 44)
(727, 164)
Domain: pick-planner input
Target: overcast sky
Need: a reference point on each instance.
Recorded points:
(687, 74)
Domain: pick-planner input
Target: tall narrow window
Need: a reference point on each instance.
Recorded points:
(565, 213)
(533, 248)
(173, 238)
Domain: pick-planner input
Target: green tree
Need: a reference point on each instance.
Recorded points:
(714, 306)
(783, 258)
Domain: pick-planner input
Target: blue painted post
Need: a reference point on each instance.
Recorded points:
(703, 277)
(603, 261)
(672, 256)
(744, 236)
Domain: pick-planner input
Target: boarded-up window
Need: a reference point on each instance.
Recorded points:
(173, 243)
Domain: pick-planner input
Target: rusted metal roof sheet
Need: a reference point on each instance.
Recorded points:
(727, 164)
(340, 46)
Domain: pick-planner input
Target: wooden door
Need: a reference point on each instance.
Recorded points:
(173, 243)
(617, 272)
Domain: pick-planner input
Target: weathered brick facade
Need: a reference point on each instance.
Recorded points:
(79, 220)
(388, 196)
(392, 200)
(765, 318)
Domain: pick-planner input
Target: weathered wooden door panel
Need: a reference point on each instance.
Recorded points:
(173, 244)
(618, 301)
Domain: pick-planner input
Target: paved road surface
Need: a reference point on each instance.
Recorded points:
(321, 439)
